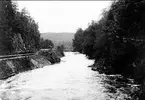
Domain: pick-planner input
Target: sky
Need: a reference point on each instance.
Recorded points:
(64, 16)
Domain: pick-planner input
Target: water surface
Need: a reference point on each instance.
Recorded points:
(70, 79)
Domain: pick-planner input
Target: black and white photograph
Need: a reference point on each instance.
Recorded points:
(72, 49)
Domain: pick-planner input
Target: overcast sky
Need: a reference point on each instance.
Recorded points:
(63, 16)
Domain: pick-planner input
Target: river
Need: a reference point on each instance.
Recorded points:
(70, 79)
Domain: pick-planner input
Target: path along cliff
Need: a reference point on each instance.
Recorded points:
(15, 65)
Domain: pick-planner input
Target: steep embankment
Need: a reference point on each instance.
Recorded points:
(12, 66)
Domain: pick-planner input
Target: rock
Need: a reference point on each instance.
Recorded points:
(18, 44)
(5, 70)
(94, 68)
(91, 65)
(39, 61)
(50, 56)
(12, 66)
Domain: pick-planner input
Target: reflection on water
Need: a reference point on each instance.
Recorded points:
(69, 80)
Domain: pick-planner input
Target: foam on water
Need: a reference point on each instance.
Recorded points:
(70, 79)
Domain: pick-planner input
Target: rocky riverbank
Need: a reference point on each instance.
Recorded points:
(12, 66)
(135, 71)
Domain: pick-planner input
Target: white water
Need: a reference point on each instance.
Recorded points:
(69, 80)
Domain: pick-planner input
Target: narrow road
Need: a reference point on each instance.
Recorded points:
(2, 57)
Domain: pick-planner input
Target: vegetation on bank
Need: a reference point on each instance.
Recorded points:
(18, 31)
(19, 34)
(12, 66)
(116, 42)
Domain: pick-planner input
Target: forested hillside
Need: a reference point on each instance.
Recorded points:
(60, 38)
(117, 41)
(18, 31)
(21, 47)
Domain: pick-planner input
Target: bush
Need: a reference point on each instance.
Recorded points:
(50, 56)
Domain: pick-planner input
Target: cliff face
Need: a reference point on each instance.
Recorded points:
(18, 43)
(10, 67)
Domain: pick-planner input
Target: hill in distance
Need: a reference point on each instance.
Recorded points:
(60, 38)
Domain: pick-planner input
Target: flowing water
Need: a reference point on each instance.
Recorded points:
(70, 79)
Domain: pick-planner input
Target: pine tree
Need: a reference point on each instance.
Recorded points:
(6, 16)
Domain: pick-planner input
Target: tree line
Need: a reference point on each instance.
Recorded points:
(117, 40)
(19, 31)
